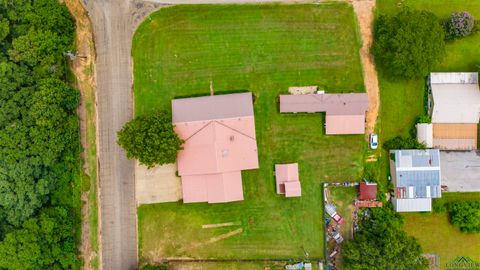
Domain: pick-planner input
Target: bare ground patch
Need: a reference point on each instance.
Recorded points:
(364, 11)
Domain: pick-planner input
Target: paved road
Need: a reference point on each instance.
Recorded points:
(113, 34)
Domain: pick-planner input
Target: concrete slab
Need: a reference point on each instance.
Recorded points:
(157, 185)
(460, 170)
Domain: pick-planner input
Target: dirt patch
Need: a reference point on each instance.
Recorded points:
(218, 225)
(364, 11)
(224, 236)
(82, 67)
(158, 184)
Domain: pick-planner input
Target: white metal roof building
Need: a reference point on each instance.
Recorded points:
(456, 97)
(412, 205)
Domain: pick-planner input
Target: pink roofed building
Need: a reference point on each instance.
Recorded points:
(287, 180)
(220, 142)
(345, 113)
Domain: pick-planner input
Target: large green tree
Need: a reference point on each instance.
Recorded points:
(43, 242)
(39, 138)
(150, 139)
(465, 215)
(407, 45)
(381, 244)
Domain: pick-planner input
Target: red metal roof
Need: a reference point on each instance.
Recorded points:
(220, 142)
(368, 191)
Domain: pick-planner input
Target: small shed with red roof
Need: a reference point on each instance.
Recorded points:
(368, 191)
(287, 181)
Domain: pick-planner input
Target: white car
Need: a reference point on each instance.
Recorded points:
(373, 141)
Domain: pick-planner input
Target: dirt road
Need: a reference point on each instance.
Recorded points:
(364, 11)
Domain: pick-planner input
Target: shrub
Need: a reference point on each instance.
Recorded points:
(402, 143)
(424, 119)
(150, 139)
(408, 44)
(465, 215)
(153, 267)
(459, 25)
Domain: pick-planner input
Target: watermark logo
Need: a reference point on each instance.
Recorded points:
(463, 263)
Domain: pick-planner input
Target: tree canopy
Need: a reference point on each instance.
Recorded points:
(460, 24)
(39, 138)
(150, 139)
(381, 244)
(407, 45)
(465, 215)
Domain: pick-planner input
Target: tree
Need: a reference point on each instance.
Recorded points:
(381, 244)
(459, 25)
(153, 267)
(399, 143)
(150, 139)
(407, 45)
(43, 242)
(465, 215)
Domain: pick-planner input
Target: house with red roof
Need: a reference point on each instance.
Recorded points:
(220, 142)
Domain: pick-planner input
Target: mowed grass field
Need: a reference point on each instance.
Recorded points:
(437, 235)
(264, 49)
(402, 102)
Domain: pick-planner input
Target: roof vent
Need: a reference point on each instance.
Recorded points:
(224, 153)
(232, 138)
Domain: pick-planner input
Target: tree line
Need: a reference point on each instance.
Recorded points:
(39, 138)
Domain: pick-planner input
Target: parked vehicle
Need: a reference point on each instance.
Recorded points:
(373, 141)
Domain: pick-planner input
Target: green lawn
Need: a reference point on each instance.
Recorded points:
(263, 49)
(437, 235)
(402, 102)
(231, 266)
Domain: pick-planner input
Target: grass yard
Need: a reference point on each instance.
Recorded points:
(437, 235)
(231, 266)
(343, 198)
(263, 49)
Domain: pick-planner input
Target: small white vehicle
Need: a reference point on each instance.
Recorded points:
(373, 141)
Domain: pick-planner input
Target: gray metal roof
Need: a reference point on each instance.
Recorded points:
(417, 158)
(419, 169)
(420, 180)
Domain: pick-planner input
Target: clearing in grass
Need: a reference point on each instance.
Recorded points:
(264, 49)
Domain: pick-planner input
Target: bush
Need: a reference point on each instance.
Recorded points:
(402, 143)
(424, 119)
(459, 25)
(465, 215)
(150, 139)
(153, 267)
(408, 44)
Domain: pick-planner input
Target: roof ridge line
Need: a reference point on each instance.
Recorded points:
(200, 129)
(235, 130)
